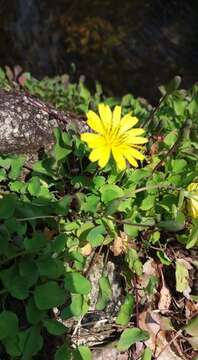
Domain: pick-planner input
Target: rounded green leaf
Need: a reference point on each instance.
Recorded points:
(51, 268)
(55, 327)
(33, 343)
(130, 337)
(63, 353)
(34, 315)
(126, 310)
(82, 353)
(110, 192)
(49, 295)
(75, 308)
(7, 206)
(8, 324)
(105, 293)
(76, 283)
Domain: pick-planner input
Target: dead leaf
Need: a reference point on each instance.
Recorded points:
(150, 270)
(191, 308)
(49, 233)
(120, 244)
(165, 296)
(154, 149)
(86, 249)
(194, 342)
(151, 321)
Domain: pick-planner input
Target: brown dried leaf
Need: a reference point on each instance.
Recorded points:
(86, 249)
(150, 269)
(120, 244)
(49, 234)
(194, 342)
(151, 321)
(191, 309)
(154, 148)
(165, 296)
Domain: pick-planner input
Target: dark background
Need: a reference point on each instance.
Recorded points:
(129, 46)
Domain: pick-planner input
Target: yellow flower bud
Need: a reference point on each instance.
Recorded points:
(192, 201)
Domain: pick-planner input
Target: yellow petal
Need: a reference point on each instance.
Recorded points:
(119, 158)
(95, 122)
(104, 156)
(135, 132)
(93, 140)
(116, 118)
(136, 140)
(134, 153)
(106, 116)
(131, 160)
(95, 154)
(127, 122)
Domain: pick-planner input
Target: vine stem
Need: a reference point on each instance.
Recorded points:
(129, 223)
(153, 112)
(159, 186)
(38, 217)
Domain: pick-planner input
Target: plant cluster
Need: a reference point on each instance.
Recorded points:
(67, 209)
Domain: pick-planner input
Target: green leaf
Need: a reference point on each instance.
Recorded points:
(12, 346)
(28, 270)
(51, 268)
(36, 242)
(34, 315)
(55, 327)
(179, 106)
(173, 225)
(63, 353)
(163, 257)
(33, 344)
(62, 147)
(98, 182)
(16, 167)
(82, 353)
(182, 275)
(130, 337)
(147, 355)
(90, 204)
(7, 206)
(170, 139)
(178, 165)
(110, 192)
(4, 239)
(59, 243)
(105, 293)
(34, 186)
(76, 283)
(133, 261)
(18, 286)
(75, 308)
(192, 239)
(3, 175)
(61, 207)
(8, 324)
(95, 235)
(171, 86)
(49, 295)
(126, 310)
(192, 327)
(148, 203)
(138, 174)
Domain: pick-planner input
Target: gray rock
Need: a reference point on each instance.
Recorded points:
(26, 123)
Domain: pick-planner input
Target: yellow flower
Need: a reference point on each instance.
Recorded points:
(192, 202)
(114, 136)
